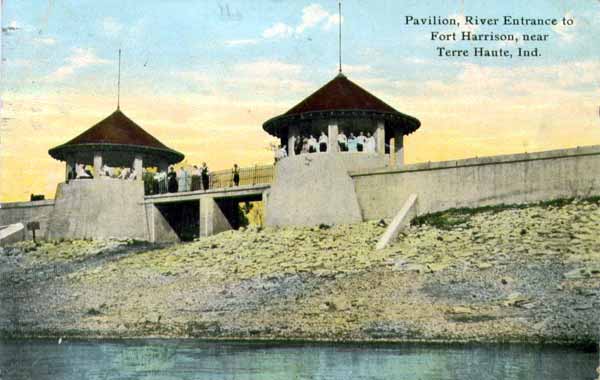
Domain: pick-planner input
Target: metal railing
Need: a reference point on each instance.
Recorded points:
(253, 175)
(219, 179)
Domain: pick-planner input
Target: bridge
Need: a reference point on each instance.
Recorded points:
(190, 214)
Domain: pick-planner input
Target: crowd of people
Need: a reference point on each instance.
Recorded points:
(360, 143)
(159, 182)
(81, 171)
(182, 179)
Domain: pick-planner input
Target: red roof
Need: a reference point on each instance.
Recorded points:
(341, 98)
(340, 93)
(117, 129)
(116, 133)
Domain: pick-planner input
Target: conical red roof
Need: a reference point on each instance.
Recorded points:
(117, 132)
(117, 128)
(342, 98)
(340, 93)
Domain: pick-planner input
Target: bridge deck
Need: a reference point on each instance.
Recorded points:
(243, 191)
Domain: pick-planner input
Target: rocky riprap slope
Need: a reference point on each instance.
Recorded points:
(499, 274)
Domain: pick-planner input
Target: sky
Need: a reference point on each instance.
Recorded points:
(202, 76)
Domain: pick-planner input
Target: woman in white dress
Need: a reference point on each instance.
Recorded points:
(323, 140)
(370, 143)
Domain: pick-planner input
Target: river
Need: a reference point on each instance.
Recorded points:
(189, 359)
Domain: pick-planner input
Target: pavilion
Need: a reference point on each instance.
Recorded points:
(342, 105)
(116, 141)
(339, 106)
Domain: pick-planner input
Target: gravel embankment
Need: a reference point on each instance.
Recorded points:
(522, 274)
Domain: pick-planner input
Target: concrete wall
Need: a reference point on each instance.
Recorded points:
(23, 212)
(99, 209)
(212, 218)
(507, 179)
(311, 189)
(159, 229)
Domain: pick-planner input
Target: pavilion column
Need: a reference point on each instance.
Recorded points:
(332, 135)
(97, 164)
(68, 168)
(138, 167)
(380, 137)
(399, 147)
(292, 135)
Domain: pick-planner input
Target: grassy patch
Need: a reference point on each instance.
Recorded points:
(466, 318)
(451, 218)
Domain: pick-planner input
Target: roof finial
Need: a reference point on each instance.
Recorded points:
(119, 84)
(340, 32)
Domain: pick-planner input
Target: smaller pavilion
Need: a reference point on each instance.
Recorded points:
(342, 105)
(116, 141)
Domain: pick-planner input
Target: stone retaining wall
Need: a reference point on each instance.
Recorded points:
(23, 212)
(475, 182)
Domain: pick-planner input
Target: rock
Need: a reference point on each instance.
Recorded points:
(435, 267)
(518, 300)
(327, 306)
(586, 292)
(414, 268)
(577, 274)
(460, 310)
(583, 307)
(93, 312)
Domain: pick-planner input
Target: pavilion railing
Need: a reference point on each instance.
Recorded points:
(220, 179)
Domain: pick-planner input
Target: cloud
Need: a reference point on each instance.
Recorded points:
(278, 30)
(241, 42)
(79, 59)
(111, 27)
(565, 32)
(313, 15)
(44, 41)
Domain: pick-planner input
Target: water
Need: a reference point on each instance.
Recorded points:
(184, 359)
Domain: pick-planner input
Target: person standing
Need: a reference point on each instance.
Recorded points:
(204, 176)
(370, 144)
(196, 184)
(361, 141)
(313, 147)
(158, 182)
(323, 140)
(283, 152)
(298, 145)
(352, 143)
(305, 148)
(181, 179)
(172, 177)
(342, 141)
(236, 175)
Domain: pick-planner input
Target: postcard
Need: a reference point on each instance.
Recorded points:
(299, 189)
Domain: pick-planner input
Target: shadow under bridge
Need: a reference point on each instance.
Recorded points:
(188, 215)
